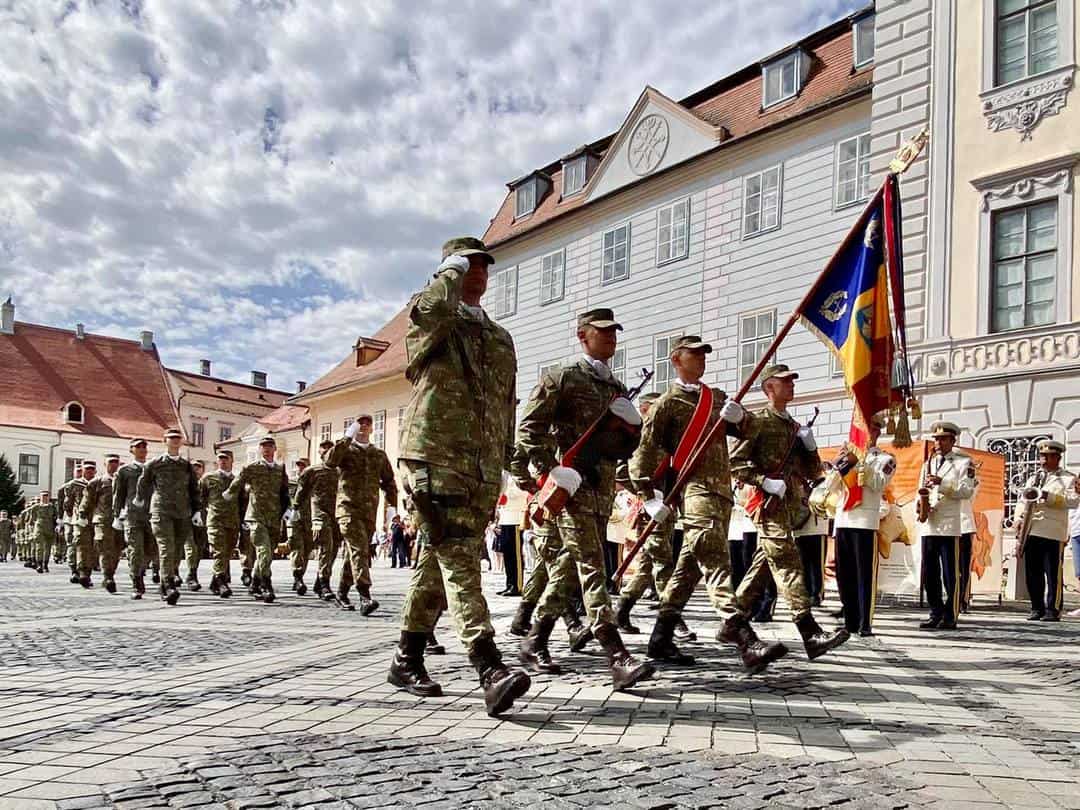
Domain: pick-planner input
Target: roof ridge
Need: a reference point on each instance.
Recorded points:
(73, 333)
(199, 376)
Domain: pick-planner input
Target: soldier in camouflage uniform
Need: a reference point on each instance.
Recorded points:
(96, 508)
(129, 519)
(780, 457)
(41, 522)
(300, 538)
(7, 537)
(222, 521)
(705, 500)
(26, 552)
(197, 545)
(72, 493)
(86, 554)
(362, 469)
(267, 488)
(455, 442)
(316, 497)
(168, 486)
(561, 408)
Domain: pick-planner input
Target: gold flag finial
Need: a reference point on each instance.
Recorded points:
(909, 151)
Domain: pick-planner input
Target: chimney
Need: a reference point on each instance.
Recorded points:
(146, 340)
(80, 332)
(204, 368)
(300, 385)
(7, 318)
(258, 379)
(368, 350)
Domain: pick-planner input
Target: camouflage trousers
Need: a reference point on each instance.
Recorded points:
(451, 512)
(42, 547)
(704, 553)
(60, 546)
(300, 547)
(71, 533)
(86, 554)
(139, 542)
(356, 531)
(328, 542)
(171, 535)
(655, 563)
(247, 548)
(264, 537)
(548, 546)
(778, 553)
(108, 547)
(195, 548)
(222, 540)
(582, 533)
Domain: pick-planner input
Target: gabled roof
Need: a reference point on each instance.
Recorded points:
(286, 417)
(733, 103)
(218, 388)
(347, 374)
(121, 387)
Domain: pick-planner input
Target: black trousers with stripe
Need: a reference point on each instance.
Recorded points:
(1043, 561)
(941, 562)
(966, 544)
(510, 544)
(856, 576)
(812, 553)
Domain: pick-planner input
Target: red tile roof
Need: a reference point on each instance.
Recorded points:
(121, 387)
(390, 363)
(227, 389)
(733, 103)
(287, 417)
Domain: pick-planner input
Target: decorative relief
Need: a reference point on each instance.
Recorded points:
(1022, 106)
(648, 144)
(1002, 355)
(1024, 188)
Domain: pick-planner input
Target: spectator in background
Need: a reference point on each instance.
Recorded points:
(399, 545)
(1074, 542)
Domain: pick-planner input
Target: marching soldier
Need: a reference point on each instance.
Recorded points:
(267, 487)
(72, 493)
(300, 532)
(778, 456)
(363, 469)
(42, 523)
(196, 546)
(1050, 493)
(169, 488)
(86, 555)
(673, 428)
(316, 491)
(456, 440)
(96, 509)
(856, 526)
(222, 522)
(130, 519)
(945, 475)
(7, 536)
(561, 408)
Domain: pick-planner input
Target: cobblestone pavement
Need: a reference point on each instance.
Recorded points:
(105, 702)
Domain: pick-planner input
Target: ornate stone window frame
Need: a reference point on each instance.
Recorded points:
(1022, 104)
(1048, 180)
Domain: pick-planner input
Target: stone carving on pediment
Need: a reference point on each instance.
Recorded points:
(1022, 106)
(1025, 188)
(1017, 353)
(648, 144)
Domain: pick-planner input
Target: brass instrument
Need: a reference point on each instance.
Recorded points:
(1028, 498)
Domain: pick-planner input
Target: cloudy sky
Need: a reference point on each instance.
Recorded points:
(261, 181)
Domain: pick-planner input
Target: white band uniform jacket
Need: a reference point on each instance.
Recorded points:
(1051, 518)
(878, 468)
(956, 486)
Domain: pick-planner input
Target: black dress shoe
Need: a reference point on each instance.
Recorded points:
(512, 592)
(948, 626)
(1052, 616)
(933, 623)
(866, 632)
(1035, 615)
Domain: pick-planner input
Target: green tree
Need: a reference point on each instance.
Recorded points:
(11, 498)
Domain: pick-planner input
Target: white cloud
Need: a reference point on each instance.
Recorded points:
(260, 181)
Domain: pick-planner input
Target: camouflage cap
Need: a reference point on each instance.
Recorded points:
(778, 370)
(466, 246)
(89, 462)
(691, 342)
(366, 417)
(600, 318)
(944, 429)
(136, 442)
(325, 443)
(267, 440)
(197, 463)
(304, 460)
(224, 453)
(1051, 446)
(112, 457)
(173, 433)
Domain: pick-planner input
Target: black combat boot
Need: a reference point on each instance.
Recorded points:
(255, 588)
(319, 588)
(579, 635)
(533, 651)
(245, 577)
(215, 585)
(816, 640)
(226, 591)
(74, 579)
(407, 670)
(755, 653)
(110, 584)
(625, 669)
(85, 581)
(170, 590)
(502, 686)
(268, 590)
(682, 632)
(40, 568)
(433, 647)
(298, 586)
(622, 616)
(156, 577)
(661, 644)
(136, 588)
(192, 581)
(30, 564)
(367, 604)
(342, 595)
(522, 619)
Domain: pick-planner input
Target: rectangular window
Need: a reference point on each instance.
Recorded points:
(781, 80)
(326, 431)
(28, 468)
(1024, 277)
(836, 368)
(378, 430)
(525, 199)
(69, 467)
(1026, 38)
(198, 431)
(348, 421)
(224, 433)
(573, 176)
(663, 370)
(862, 35)
(618, 365)
(400, 414)
(504, 292)
(616, 259)
(761, 201)
(672, 231)
(756, 332)
(853, 170)
(546, 368)
(552, 276)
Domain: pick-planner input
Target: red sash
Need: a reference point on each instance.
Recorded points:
(691, 437)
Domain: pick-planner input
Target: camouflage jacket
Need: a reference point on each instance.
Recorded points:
(663, 429)
(362, 470)
(267, 488)
(220, 513)
(125, 482)
(73, 494)
(41, 521)
(6, 529)
(316, 489)
(96, 505)
(463, 371)
(61, 500)
(563, 405)
(760, 455)
(169, 486)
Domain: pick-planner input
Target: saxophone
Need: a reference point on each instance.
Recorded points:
(928, 496)
(1028, 498)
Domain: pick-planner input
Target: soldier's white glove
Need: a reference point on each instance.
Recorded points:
(775, 486)
(138, 504)
(118, 524)
(123, 513)
(352, 430)
(655, 508)
(566, 478)
(197, 521)
(454, 262)
(292, 517)
(806, 436)
(82, 523)
(732, 412)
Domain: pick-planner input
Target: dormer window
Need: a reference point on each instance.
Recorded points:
(573, 176)
(74, 413)
(862, 36)
(782, 78)
(525, 199)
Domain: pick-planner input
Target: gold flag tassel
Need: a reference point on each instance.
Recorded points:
(902, 434)
(890, 422)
